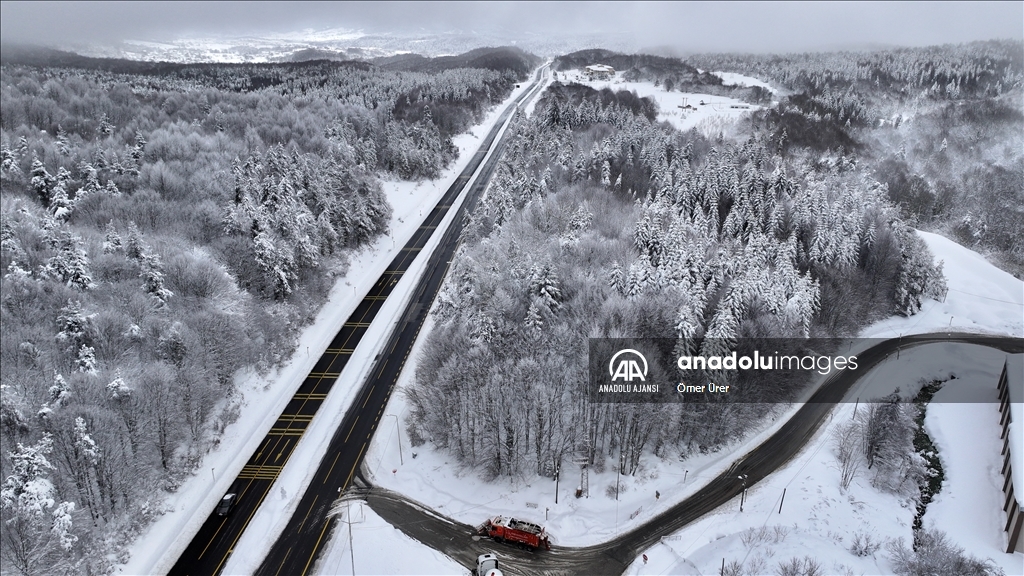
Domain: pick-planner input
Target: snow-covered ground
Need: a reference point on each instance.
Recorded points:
(816, 520)
(981, 297)
(970, 506)
(379, 549)
(263, 398)
(820, 521)
(709, 114)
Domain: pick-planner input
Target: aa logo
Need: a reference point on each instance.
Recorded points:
(626, 364)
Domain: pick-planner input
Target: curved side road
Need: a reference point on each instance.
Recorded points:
(612, 558)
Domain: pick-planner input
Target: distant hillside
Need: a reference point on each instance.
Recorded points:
(48, 57)
(307, 54)
(503, 58)
(639, 66)
(497, 59)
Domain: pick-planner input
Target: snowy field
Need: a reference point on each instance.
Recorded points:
(816, 520)
(379, 549)
(820, 521)
(262, 398)
(970, 506)
(709, 114)
(981, 297)
(818, 510)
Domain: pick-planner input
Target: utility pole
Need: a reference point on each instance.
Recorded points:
(558, 473)
(743, 478)
(351, 548)
(618, 470)
(399, 430)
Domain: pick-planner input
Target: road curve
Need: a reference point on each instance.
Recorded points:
(612, 558)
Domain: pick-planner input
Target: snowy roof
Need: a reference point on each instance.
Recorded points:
(600, 68)
(518, 525)
(1015, 386)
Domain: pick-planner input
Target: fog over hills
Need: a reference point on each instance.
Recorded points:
(274, 32)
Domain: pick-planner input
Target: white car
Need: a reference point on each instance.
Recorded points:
(487, 565)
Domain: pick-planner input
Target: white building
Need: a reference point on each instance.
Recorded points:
(599, 72)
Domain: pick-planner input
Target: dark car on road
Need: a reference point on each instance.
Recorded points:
(226, 504)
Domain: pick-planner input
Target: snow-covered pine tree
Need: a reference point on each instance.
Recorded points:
(70, 263)
(533, 321)
(9, 161)
(134, 247)
(153, 278)
(41, 182)
(75, 328)
(26, 496)
(112, 240)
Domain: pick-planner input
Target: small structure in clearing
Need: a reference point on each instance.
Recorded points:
(599, 72)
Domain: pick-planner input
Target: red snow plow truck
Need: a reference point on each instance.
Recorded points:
(525, 534)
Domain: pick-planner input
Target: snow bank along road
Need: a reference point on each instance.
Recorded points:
(294, 552)
(455, 539)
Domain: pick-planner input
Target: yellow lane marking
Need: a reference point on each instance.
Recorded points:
(315, 547)
(212, 538)
(260, 472)
(352, 428)
(284, 560)
(338, 351)
(295, 417)
(354, 466)
(283, 448)
(306, 517)
(286, 432)
(324, 374)
(309, 396)
(336, 456)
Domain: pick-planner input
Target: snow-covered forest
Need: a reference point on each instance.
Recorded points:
(603, 223)
(670, 73)
(164, 227)
(942, 127)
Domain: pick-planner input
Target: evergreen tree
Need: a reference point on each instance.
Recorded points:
(70, 263)
(112, 240)
(41, 182)
(153, 278)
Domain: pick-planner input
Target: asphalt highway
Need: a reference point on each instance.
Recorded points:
(309, 527)
(458, 540)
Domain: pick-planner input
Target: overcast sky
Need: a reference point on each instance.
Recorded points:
(712, 26)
